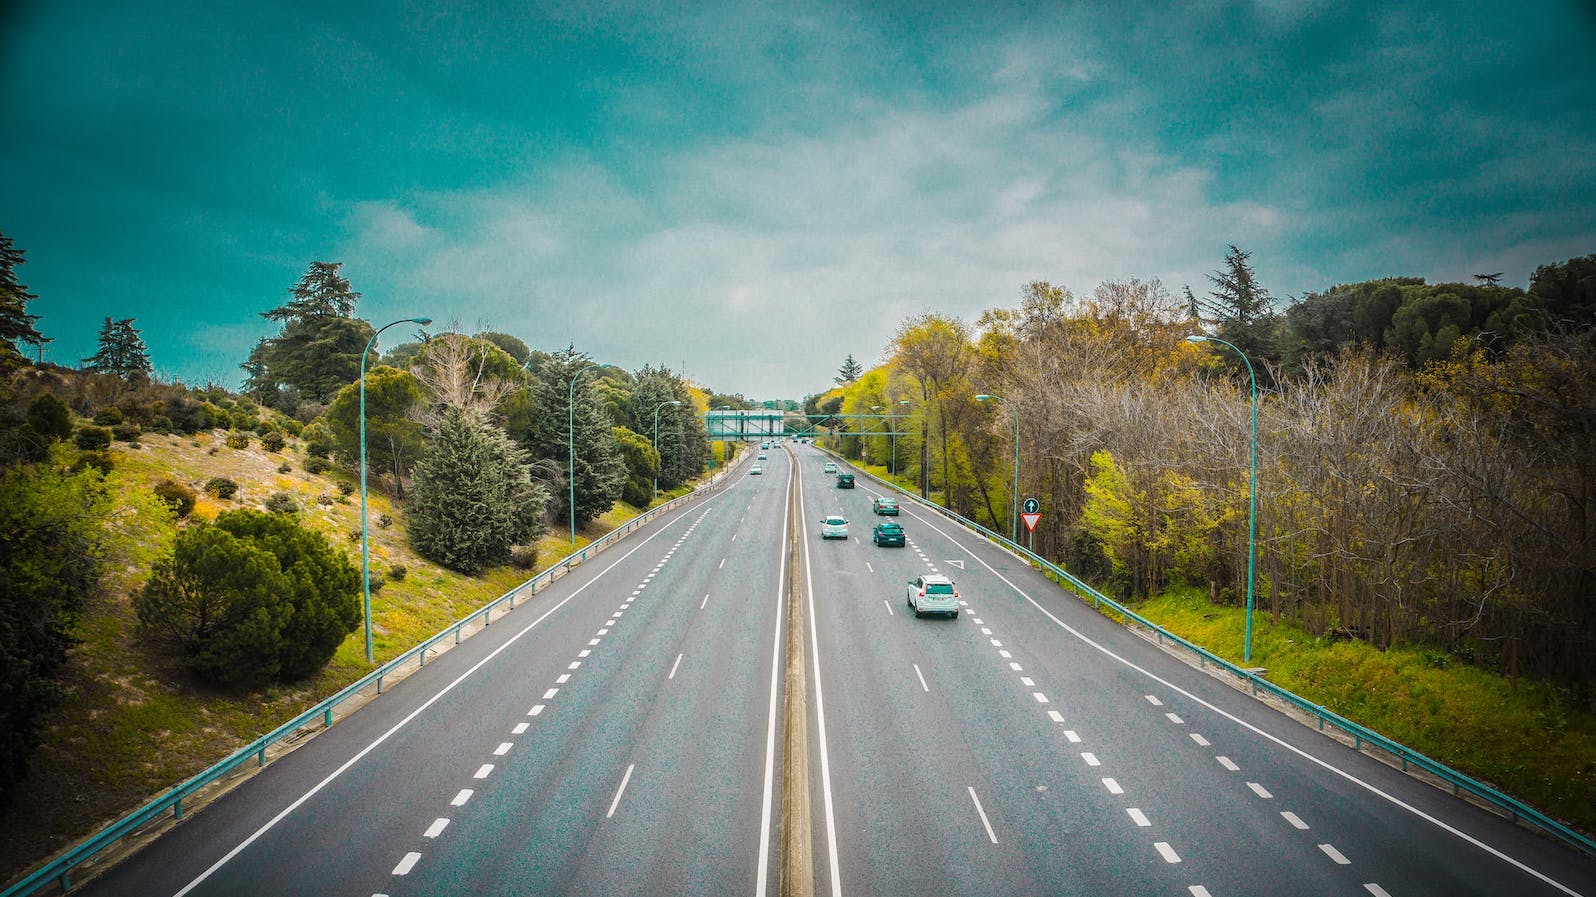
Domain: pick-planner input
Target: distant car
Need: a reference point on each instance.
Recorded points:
(933, 593)
(755, 471)
(830, 467)
(834, 527)
(844, 481)
(761, 456)
(764, 445)
(885, 505)
(887, 535)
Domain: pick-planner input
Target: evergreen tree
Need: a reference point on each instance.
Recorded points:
(394, 439)
(321, 293)
(849, 371)
(683, 442)
(16, 325)
(599, 473)
(122, 352)
(1245, 313)
(318, 350)
(474, 496)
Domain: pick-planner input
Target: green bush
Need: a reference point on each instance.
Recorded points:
(315, 465)
(253, 598)
(293, 427)
(346, 487)
(474, 497)
(397, 572)
(282, 503)
(384, 521)
(285, 467)
(272, 441)
(221, 487)
(237, 440)
(50, 417)
(318, 441)
(126, 432)
(93, 438)
(102, 461)
(177, 496)
(108, 417)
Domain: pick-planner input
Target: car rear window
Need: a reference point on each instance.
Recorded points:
(938, 588)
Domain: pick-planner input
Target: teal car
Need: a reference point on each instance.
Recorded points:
(933, 593)
(888, 535)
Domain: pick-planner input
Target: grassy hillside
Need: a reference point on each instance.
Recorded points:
(131, 723)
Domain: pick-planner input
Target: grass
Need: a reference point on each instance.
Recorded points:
(1528, 741)
(132, 725)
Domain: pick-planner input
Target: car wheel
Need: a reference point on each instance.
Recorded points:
(917, 614)
(909, 601)
(955, 615)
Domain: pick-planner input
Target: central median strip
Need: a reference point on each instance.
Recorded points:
(797, 845)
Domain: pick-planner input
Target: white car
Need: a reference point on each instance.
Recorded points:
(933, 593)
(755, 471)
(829, 468)
(834, 527)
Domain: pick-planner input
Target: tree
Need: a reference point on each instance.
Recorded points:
(513, 346)
(474, 496)
(122, 352)
(683, 443)
(319, 348)
(1244, 311)
(935, 351)
(53, 535)
(253, 598)
(321, 292)
(394, 401)
(16, 325)
(642, 465)
(599, 473)
(466, 373)
(849, 371)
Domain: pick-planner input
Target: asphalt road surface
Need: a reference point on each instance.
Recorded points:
(620, 734)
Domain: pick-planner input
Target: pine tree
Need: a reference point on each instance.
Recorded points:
(122, 352)
(474, 496)
(600, 473)
(849, 371)
(16, 325)
(321, 293)
(318, 350)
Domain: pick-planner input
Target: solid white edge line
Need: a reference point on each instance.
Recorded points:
(991, 835)
(620, 791)
(1323, 764)
(425, 705)
(921, 676)
(768, 797)
(832, 863)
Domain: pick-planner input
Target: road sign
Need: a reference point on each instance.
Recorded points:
(1030, 521)
(1031, 506)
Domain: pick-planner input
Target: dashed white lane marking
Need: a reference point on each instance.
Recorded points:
(1199, 739)
(562, 678)
(406, 864)
(592, 642)
(889, 607)
(1199, 891)
(674, 666)
(602, 632)
(705, 602)
(1138, 817)
(868, 567)
(985, 631)
(919, 674)
(503, 748)
(584, 652)
(1295, 820)
(996, 643)
(1040, 698)
(461, 798)
(1070, 734)
(978, 621)
(436, 828)
(1376, 890)
(991, 835)
(482, 773)
(1016, 667)
(1091, 759)
(520, 729)
(536, 709)
(1027, 681)
(550, 693)
(1005, 655)
(1153, 700)
(1175, 719)
(1260, 790)
(1167, 852)
(620, 791)
(1055, 716)
(1331, 852)
(1113, 786)
(734, 537)
(722, 564)
(1226, 763)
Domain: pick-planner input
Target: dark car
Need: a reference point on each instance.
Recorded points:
(888, 534)
(844, 481)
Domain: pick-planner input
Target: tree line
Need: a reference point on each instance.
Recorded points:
(1427, 470)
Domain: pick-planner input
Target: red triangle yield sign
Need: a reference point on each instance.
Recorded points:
(1030, 521)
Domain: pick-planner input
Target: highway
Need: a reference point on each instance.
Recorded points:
(620, 734)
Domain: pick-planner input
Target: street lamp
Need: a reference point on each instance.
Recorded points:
(656, 445)
(1252, 492)
(570, 408)
(1014, 504)
(365, 540)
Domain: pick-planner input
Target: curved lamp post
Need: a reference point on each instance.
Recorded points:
(722, 440)
(1014, 503)
(656, 444)
(570, 470)
(1252, 491)
(365, 540)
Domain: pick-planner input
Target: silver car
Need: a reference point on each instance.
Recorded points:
(933, 593)
(834, 527)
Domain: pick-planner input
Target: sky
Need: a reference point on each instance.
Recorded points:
(749, 193)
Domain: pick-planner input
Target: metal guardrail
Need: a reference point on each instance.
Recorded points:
(1515, 809)
(59, 870)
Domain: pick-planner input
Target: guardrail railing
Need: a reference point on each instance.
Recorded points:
(1515, 809)
(59, 870)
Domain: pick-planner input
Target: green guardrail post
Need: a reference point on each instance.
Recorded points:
(327, 717)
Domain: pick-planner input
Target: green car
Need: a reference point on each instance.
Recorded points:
(888, 535)
(844, 481)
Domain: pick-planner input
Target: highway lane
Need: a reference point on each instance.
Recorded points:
(612, 736)
(1051, 750)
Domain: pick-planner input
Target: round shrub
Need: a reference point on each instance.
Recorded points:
(282, 503)
(104, 462)
(315, 465)
(524, 557)
(126, 432)
(318, 441)
(265, 427)
(93, 438)
(108, 417)
(177, 496)
(384, 521)
(346, 488)
(237, 441)
(397, 572)
(221, 487)
(50, 417)
(293, 427)
(272, 441)
(285, 467)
